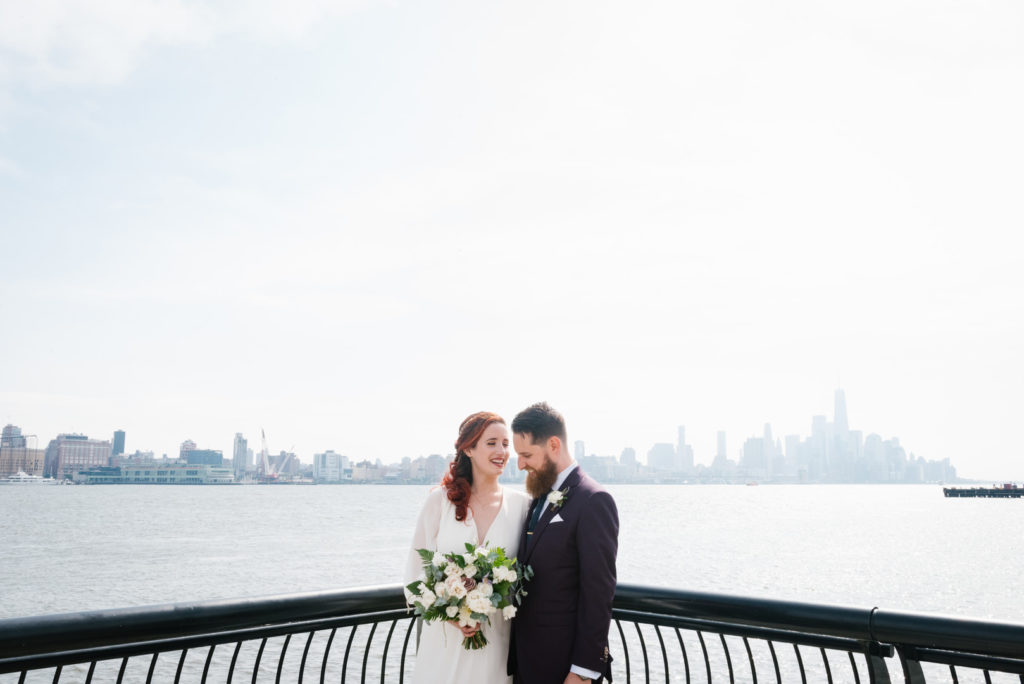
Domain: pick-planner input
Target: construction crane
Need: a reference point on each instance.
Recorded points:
(267, 473)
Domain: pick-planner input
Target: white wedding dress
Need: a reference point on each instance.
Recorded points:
(441, 659)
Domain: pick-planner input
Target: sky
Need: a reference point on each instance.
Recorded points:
(351, 224)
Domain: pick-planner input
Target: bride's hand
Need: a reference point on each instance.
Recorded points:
(466, 631)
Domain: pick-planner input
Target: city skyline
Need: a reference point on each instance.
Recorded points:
(353, 224)
(831, 452)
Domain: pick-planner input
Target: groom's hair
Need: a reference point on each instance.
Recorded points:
(541, 422)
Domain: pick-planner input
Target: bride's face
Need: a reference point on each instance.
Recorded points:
(490, 454)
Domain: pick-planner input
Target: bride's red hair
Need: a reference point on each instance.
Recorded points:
(458, 481)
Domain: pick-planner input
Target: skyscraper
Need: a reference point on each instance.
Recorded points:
(118, 448)
(842, 427)
(239, 455)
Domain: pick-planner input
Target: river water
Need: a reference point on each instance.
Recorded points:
(898, 547)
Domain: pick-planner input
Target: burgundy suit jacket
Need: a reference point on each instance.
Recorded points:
(565, 617)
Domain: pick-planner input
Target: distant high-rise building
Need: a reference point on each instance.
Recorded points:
(118, 447)
(238, 455)
(628, 457)
(684, 452)
(720, 451)
(210, 457)
(662, 456)
(17, 456)
(580, 450)
(842, 426)
(12, 436)
(68, 455)
(186, 446)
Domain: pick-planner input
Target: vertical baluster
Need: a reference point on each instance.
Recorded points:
(21, 679)
(750, 657)
(643, 649)
(259, 657)
(181, 664)
(280, 661)
(327, 653)
(56, 674)
(686, 660)
(305, 654)
(988, 679)
(775, 662)
(366, 652)
(234, 659)
(625, 648)
(728, 658)
(664, 653)
(206, 667)
(828, 670)
(405, 646)
(92, 668)
(853, 666)
(120, 673)
(952, 674)
(348, 647)
(800, 663)
(387, 645)
(152, 668)
(704, 649)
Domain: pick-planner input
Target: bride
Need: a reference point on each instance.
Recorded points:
(469, 506)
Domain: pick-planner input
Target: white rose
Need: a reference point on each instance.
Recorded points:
(481, 551)
(555, 498)
(427, 599)
(485, 589)
(508, 612)
(452, 569)
(452, 611)
(478, 604)
(469, 558)
(455, 587)
(439, 588)
(466, 617)
(500, 573)
(438, 560)
(511, 576)
(469, 570)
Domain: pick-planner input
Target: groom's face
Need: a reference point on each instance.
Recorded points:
(536, 460)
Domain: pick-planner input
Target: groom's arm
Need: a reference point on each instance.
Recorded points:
(597, 541)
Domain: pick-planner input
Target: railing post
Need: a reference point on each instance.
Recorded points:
(912, 672)
(874, 652)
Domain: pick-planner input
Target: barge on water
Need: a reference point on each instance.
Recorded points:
(1007, 491)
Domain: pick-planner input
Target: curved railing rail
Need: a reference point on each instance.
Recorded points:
(366, 635)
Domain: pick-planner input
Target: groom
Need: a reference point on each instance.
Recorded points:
(560, 634)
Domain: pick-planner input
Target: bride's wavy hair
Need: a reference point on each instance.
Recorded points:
(458, 481)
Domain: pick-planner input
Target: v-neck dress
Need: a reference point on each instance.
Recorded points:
(441, 659)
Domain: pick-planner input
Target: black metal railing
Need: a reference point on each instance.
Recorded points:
(366, 635)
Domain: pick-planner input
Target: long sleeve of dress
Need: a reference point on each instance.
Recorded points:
(425, 536)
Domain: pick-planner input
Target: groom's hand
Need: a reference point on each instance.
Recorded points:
(574, 678)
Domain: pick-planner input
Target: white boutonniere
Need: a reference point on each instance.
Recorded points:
(557, 499)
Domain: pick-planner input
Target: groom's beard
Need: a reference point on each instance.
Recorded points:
(540, 481)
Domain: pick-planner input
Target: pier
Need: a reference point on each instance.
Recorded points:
(1005, 492)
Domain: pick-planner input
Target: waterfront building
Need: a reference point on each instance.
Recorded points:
(684, 452)
(332, 467)
(69, 454)
(118, 448)
(186, 446)
(157, 472)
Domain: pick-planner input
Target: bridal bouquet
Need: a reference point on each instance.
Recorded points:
(468, 588)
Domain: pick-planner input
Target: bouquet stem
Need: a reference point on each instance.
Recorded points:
(474, 642)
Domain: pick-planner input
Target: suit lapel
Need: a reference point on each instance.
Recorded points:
(542, 524)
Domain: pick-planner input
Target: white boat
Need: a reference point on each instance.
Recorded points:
(23, 478)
